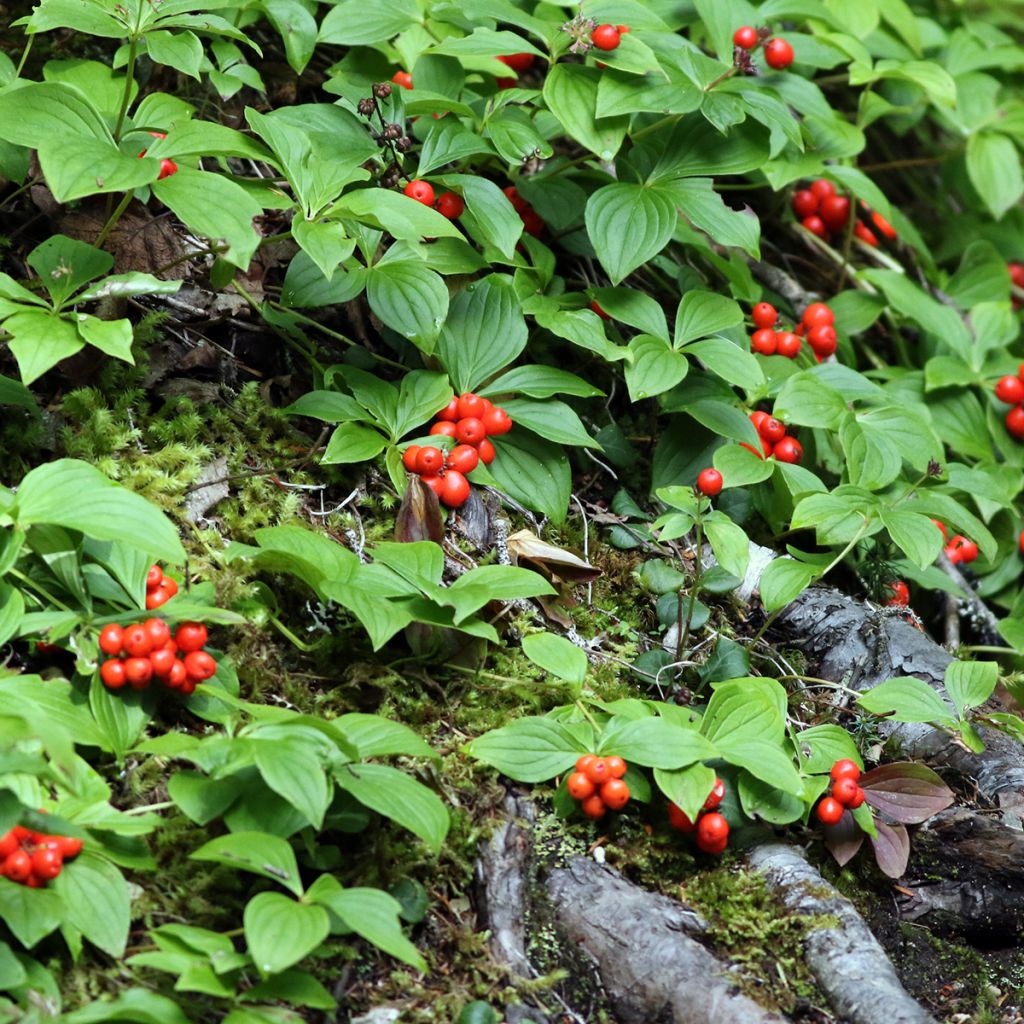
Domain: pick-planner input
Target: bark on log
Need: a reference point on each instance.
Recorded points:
(653, 972)
(966, 877)
(850, 966)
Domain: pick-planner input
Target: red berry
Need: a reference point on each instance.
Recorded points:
(159, 632)
(856, 800)
(69, 846)
(606, 37)
(823, 339)
(1010, 390)
(865, 234)
(137, 641)
(579, 786)
(429, 461)
(487, 452)
(617, 768)
(167, 168)
(835, 212)
(450, 411)
(463, 458)
(517, 61)
(830, 811)
(112, 674)
(596, 307)
(597, 771)
(409, 457)
(815, 225)
(111, 639)
(771, 429)
(942, 529)
(900, 596)
(789, 450)
(455, 490)
(679, 820)
(745, 37)
(709, 482)
(402, 78)
(764, 342)
(191, 636)
(716, 796)
(712, 832)
(18, 866)
(163, 593)
(420, 190)
(46, 864)
(884, 226)
(470, 406)
(519, 204)
(584, 762)
(615, 794)
(845, 768)
(8, 844)
(778, 54)
(1015, 421)
(138, 672)
(178, 675)
(787, 344)
(822, 188)
(434, 481)
(470, 430)
(532, 223)
(953, 553)
(966, 549)
(845, 790)
(751, 448)
(593, 807)
(818, 314)
(153, 577)
(805, 203)
(764, 314)
(757, 417)
(162, 662)
(450, 205)
(497, 422)
(1016, 273)
(200, 665)
(443, 428)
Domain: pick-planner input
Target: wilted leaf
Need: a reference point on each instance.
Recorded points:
(554, 562)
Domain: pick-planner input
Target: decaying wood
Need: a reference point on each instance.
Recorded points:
(848, 962)
(649, 966)
(966, 878)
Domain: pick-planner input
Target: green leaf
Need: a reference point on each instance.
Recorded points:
(628, 224)
(374, 736)
(705, 209)
(823, 745)
(970, 683)
(914, 534)
(529, 749)
(993, 165)
(49, 110)
(784, 580)
(655, 367)
(535, 473)
(30, 914)
(78, 496)
(687, 788)
(280, 932)
(98, 905)
(489, 216)
(39, 341)
(730, 362)
(292, 769)
(703, 313)
(570, 92)
(906, 700)
(485, 331)
(90, 167)
(421, 395)
(352, 442)
(535, 381)
(556, 655)
(347, 23)
(808, 402)
(740, 467)
(258, 852)
(486, 583)
(410, 298)
(551, 419)
(113, 337)
(396, 795)
(655, 743)
(326, 244)
(729, 543)
(396, 213)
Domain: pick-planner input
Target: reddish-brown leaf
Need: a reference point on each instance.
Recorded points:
(843, 839)
(892, 849)
(905, 792)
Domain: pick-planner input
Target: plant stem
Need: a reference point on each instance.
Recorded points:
(698, 574)
(721, 78)
(129, 81)
(24, 55)
(112, 220)
(289, 635)
(38, 588)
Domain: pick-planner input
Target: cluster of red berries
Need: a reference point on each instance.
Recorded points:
(900, 594)
(32, 859)
(1011, 391)
(532, 223)
(844, 792)
(778, 54)
(518, 62)
(710, 482)
(448, 204)
(711, 827)
(608, 37)
(146, 650)
(470, 420)
(824, 212)
(159, 588)
(167, 167)
(958, 548)
(818, 325)
(597, 784)
(774, 439)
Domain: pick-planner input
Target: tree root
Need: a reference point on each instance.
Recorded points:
(850, 966)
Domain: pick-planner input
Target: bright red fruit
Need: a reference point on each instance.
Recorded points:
(111, 639)
(158, 631)
(69, 846)
(967, 549)
(823, 188)
(856, 800)
(789, 450)
(745, 37)
(712, 832)
(1015, 421)
(46, 864)
(900, 595)
(200, 665)
(679, 820)
(709, 482)
(519, 204)
(884, 226)
(497, 422)
(772, 429)
(517, 61)
(167, 168)
(815, 225)
(153, 577)
(817, 313)
(830, 811)
(463, 458)
(835, 212)
(402, 78)
(443, 428)
(532, 223)
(596, 307)
(778, 54)
(593, 807)
(823, 339)
(617, 768)
(787, 344)
(470, 430)
(1010, 390)
(112, 674)
(615, 794)
(420, 190)
(764, 314)
(585, 761)
(865, 234)
(191, 636)
(178, 676)
(450, 411)
(162, 662)
(606, 37)
(18, 866)
(597, 771)
(162, 594)
(716, 796)
(430, 460)
(845, 790)
(455, 490)
(409, 457)
(470, 405)
(450, 205)
(137, 641)
(487, 452)
(579, 786)
(764, 341)
(805, 202)
(138, 672)
(845, 768)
